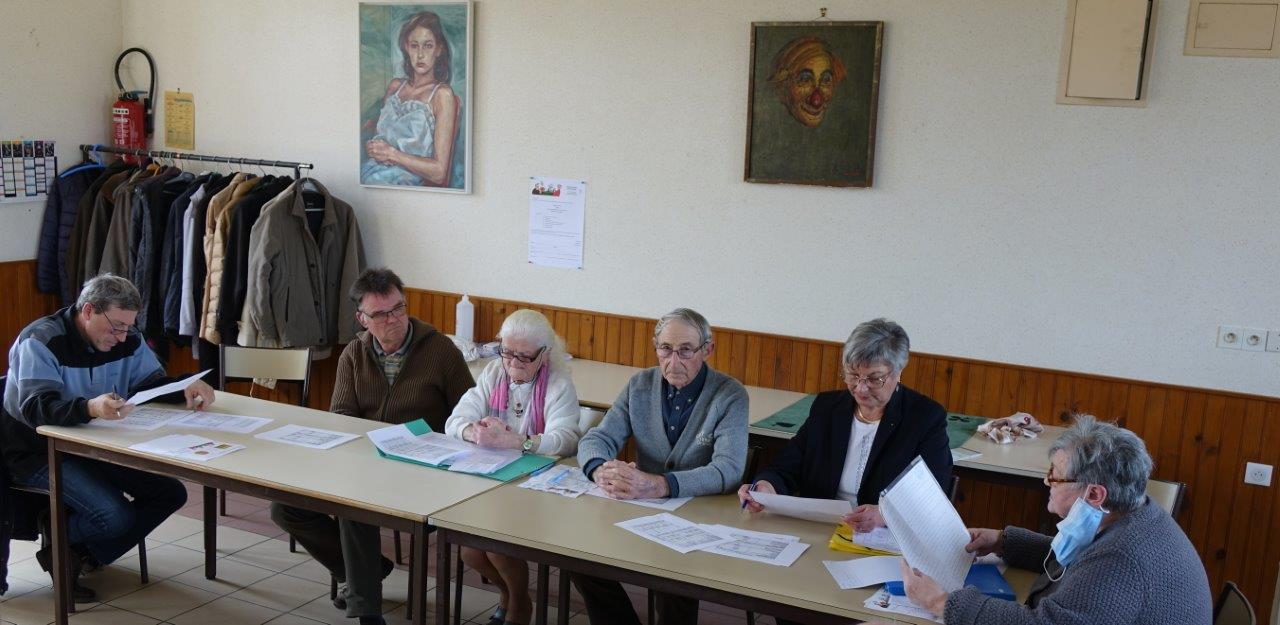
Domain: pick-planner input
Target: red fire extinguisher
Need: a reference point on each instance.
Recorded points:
(132, 114)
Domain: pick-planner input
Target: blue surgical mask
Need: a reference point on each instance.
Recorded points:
(1076, 532)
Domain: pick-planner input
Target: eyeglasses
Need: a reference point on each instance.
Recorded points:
(510, 354)
(855, 380)
(119, 329)
(398, 312)
(1051, 480)
(684, 352)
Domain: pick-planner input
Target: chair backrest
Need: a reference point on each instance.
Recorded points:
(262, 362)
(588, 418)
(1233, 608)
(749, 469)
(1167, 495)
(955, 489)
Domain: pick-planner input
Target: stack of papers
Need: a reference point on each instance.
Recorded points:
(882, 601)
(315, 438)
(684, 536)
(143, 418)
(415, 442)
(673, 532)
(149, 418)
(187, 447)
(562, 480)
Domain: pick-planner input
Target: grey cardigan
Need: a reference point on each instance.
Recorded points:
(1140, 570)
(710, 454)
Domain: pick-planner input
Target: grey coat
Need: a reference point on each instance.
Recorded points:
(1140, 570)
(709, 456)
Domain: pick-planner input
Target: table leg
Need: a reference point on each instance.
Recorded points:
(61, 570)
(210, 532)
(442, 578)
(540, 618)
(418, 562)
(562, 599)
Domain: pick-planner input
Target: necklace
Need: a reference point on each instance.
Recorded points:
(518, 408)
(857, 414)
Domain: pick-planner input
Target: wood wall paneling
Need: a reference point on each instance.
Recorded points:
(1197, 436)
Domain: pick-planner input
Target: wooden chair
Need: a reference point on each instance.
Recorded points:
(1232, 608)
(1167, 495)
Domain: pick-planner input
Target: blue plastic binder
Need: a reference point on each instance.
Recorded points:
(985, 577)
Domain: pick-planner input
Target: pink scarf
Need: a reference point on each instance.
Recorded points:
(535, 422)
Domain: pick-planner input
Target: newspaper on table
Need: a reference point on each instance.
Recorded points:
(775, 549)
(673, 532)
(187, 447)
(145, 418)
(302, 436)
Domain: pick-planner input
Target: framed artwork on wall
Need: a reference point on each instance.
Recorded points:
(811, 104)
(415, 96)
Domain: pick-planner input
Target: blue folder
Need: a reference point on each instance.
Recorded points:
(527, 463)
(985, 577)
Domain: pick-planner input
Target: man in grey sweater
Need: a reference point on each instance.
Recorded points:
(690, 428)
(1126, 562)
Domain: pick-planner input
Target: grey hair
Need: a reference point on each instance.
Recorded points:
(534, 326)
(1108, 455)
(875, 342)
(107, 290)
(689, 316)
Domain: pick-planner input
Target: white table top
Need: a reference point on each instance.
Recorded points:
(351, 474)
(583, 528)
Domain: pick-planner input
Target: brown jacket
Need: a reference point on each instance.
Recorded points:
(217, 220)
(432, 379)
(95, 237)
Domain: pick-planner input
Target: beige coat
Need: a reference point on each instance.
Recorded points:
(217, 222)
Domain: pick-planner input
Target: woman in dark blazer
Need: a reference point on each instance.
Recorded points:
(856, 442)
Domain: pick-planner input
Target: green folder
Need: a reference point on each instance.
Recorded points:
(527, 463)
(960, 427)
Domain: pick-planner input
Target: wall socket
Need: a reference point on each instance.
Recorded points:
(1229, 336)
(1253, 339)
(1273, 341)
(1258, 474)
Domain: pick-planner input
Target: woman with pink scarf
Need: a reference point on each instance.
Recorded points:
(523, 400)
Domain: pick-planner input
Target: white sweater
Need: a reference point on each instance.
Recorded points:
(560, 437)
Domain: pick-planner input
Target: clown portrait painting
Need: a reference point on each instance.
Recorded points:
(814, 87)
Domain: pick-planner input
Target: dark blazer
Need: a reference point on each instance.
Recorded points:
(811, 464)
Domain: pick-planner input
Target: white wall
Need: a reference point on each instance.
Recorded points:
(55, 83)
(1002, 226)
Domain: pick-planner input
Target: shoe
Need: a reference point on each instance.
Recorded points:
(372, 620)
(79, 592)
(340, 597)
(499, 617)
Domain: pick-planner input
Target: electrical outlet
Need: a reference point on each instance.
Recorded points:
(1273, 341)
(1253, 339)
(1259, 474)
(1229, 337)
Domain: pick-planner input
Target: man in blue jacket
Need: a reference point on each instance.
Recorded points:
(70, 368)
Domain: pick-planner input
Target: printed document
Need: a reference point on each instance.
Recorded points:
(562, 480)
(879, 538)
(187, 447)
(882, 601)
(239, 424)
(863, 572)
(484, 461)
(775, 549)
(926, 526)
(673, 532)
(557, 207)
(820, 510)
(431, 448)
(143, 418)
(142, 397)
(669, 504)
(314, 438)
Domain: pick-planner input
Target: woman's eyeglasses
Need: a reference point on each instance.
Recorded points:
(854, 380)
(1051, 480)
(510, 354)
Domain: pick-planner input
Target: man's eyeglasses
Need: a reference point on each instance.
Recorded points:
(684, 352)
(1051, 480)
(510, 354)
(120, 329)
(384, 316)
(854, 380)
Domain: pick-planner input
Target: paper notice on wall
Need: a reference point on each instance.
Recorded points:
(557, 209)
(179, 120)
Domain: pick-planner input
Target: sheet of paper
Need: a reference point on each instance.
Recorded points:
(483, 461)
(879, 538)
(775, 549)
(820, 510)
(143, 418)
(187, 447)
(431, 448)
(863, 572)
(673, 532)
(142, 397)
(926, 526)
(239, 424)
(882, 601)
(557, 208)
(314, 438)
(670, 504)
(964, 453)
(560, 479)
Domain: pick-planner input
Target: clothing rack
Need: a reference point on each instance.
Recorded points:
(186, 156)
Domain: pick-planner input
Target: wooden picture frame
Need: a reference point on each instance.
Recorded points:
(812, 101)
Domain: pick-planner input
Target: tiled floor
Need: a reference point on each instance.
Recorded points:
(259, 581)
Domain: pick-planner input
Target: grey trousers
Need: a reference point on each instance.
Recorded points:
(351, 551)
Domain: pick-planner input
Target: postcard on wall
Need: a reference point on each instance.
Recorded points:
(557, 209)
(415, 95)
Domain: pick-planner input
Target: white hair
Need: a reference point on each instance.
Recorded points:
(532, 325)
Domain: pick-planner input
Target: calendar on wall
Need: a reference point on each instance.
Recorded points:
(26, 169)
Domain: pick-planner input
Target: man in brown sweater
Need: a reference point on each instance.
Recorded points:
(399, 369)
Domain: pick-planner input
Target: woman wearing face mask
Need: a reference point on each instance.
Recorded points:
(523, 400)
(1117, 556)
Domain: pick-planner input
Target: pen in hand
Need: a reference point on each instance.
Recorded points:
(750, 489)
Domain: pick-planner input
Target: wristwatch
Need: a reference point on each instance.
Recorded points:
(527, 446)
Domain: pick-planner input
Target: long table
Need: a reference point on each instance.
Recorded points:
(578, 536)
(350, 480)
